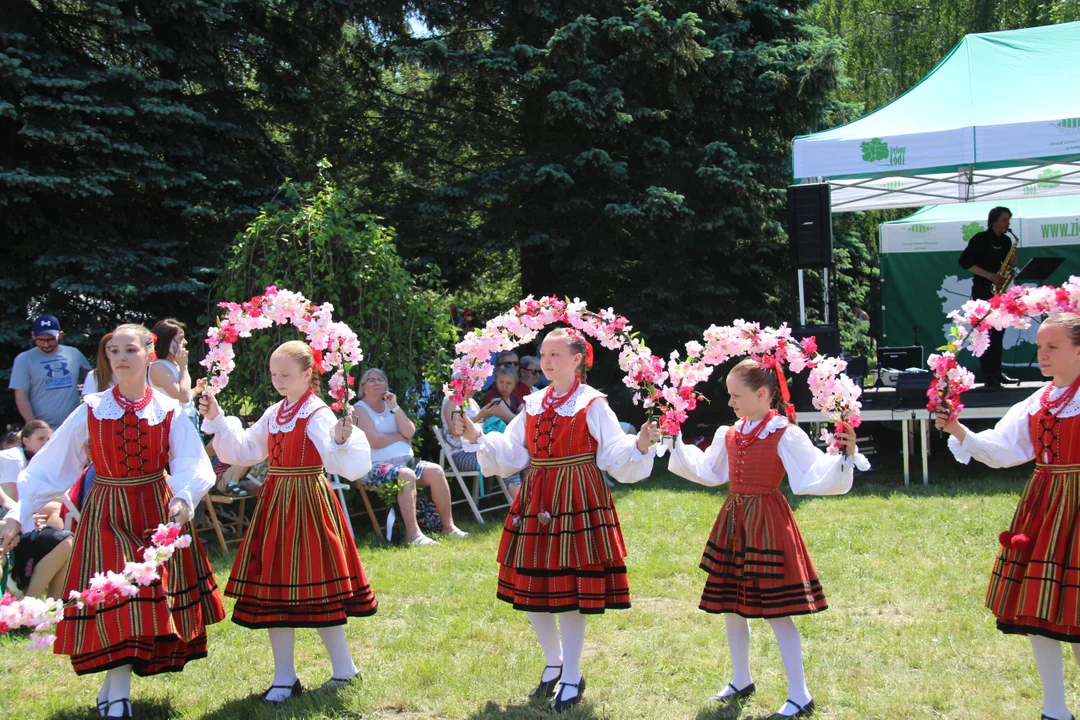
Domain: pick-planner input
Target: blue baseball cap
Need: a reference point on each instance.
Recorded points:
(47, 325)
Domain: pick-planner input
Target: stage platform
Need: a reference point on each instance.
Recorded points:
(882, 405)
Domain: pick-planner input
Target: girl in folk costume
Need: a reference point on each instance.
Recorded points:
(757, 562)
(1034, 584)
(297, 565)
(132, 433)
(562, 549)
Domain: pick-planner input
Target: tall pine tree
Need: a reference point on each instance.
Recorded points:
(636, 152)
(137, 138)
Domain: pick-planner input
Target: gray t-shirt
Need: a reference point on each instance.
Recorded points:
(52, 380)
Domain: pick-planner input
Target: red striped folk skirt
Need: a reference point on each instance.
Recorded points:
(1037, 591)
(575, 560)
(164, 626)
(757, 561)
(297, 565)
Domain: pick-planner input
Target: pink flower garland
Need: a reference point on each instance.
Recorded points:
(335, 345)
(834, 393)
(971, 328)
(104, 588)
(520, 325)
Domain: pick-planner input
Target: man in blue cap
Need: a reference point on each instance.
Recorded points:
(46, 378)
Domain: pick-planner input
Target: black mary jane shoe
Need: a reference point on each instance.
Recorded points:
(546, 688)
(1047, 717)
(558, 705)
(295, 689)
(804, 710)
(336, 683)
(127, 708)
(736, 693)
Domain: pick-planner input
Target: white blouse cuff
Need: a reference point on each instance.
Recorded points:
(218, 424)
(858, 461)
(185, 495)
(351, 443)
(959, 451)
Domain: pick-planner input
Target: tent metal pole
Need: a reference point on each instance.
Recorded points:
(802, 300)
(825, 285)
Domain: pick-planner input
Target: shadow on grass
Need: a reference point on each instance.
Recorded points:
(730, 711)
(146, 709)
(312, 703)
(534, 711)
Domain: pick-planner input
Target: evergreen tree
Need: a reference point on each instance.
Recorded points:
(136, 139)
(636, 152)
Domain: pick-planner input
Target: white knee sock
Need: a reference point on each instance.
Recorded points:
(572, 631)
(738, 640)
(282, 643)
(103, 693)
(340, 659)
(787, 637)
(547, 632)
(1051, 674)
(119, 689)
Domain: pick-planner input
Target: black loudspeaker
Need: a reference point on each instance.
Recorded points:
(810, 225)
(828, 343)
(911, 389)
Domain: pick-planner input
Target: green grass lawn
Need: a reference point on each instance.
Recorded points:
(906, 634)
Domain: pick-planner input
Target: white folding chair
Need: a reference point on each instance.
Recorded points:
(446, 460)
(339, 487)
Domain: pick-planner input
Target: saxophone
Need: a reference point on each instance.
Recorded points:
(1007, 271)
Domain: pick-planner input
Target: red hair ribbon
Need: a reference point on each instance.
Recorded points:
(785, 392)
(576, 334)
(317, 355)
(152, 355)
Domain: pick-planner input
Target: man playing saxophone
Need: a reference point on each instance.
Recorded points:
(985, 257)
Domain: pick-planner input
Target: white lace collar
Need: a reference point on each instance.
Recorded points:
(578, 401)
(1071, 410)
(105, 407)
(312, 404)
(777, 423)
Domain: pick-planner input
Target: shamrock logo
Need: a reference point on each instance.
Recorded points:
(970, 230)
(875, 150)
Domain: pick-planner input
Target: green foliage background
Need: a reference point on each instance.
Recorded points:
(316, 240)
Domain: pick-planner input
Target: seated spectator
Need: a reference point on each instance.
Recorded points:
(10, 440)
(469, 321)
(39, 563)
(506, 387)
(464, 460)
(530, 373)
(169, 373)
(32, 438)
(508, 360)
(389, 431)
(102, 377)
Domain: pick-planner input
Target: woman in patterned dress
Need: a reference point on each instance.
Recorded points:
(756, 559)
(562, 550)
(297, 565)
(130, 433)
(1035, 584)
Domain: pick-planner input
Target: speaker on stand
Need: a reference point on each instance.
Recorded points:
(810, 225)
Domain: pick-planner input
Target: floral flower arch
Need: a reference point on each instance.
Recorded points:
(333, 343)
(522, 323)
(834, 393)
(971, 328)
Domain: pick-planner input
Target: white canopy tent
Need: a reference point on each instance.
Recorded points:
(998, 118)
